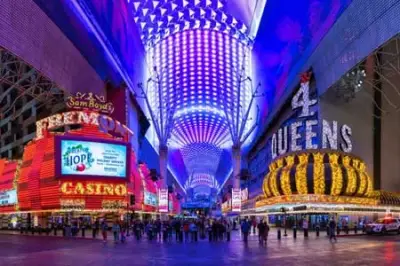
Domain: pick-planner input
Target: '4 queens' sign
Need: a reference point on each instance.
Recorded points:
(309, 132)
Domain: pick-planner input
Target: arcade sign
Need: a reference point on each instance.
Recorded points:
(104, 122)
(288, 138)
(91, 102)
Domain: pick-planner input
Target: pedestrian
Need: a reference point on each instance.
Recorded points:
(228, 228)
(123, 233)
(186, 231)
(261, 231)
(332, 230)
(116, 229)
(193, 231)
(104, 228)
(266, 232)
(245, 227)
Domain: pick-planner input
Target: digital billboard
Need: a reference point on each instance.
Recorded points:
(150, 199)
(79, 157)
(8, 197)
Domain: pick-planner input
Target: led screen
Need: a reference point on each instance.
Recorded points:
(91, 158)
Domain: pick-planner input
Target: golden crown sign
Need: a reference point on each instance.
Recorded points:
(90, 101)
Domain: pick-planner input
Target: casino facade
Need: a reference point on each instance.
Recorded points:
(80, 175)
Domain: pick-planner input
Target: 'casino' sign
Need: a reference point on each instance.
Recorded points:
(309, 133)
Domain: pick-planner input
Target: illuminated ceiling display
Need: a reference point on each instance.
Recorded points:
(200, 55)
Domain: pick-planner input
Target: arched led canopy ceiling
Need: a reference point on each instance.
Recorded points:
(200, 54)
(159, 19)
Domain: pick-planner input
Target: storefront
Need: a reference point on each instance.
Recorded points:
(76, 176)
(312, 173)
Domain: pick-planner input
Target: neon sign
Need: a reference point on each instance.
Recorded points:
(78, 188)
(287, 138)
(104, 122)
(90, 101)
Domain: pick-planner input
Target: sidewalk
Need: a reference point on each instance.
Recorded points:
(235, 235)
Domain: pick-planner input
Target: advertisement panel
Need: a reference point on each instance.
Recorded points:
(8, 197)
(77, 157)
(236, 200)
(150, 199)
(163, 200)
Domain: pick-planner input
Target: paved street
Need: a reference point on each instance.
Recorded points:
(36, 250)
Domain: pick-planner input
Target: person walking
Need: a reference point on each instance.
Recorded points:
(266, 232)
(245, 227)
(186, 230)
(193, 231)
(332, 230)
(228, 228)
(104, 229)
(116, 229)
(261, 228)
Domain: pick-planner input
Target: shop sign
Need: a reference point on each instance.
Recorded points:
(163, 200)
(236, 200)
(104, 122)
(150, 199)
(103, 189)
(8, 197)
(90, 101)
(308, 133)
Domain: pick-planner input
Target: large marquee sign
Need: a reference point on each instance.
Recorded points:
(163, 200)
(308, 132)
(83, 157)
(93, 188)
(8, 197)
(104, 122)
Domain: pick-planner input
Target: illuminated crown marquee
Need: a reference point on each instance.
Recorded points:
(200, 54)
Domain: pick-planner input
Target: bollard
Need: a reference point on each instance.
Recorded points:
(305, 232)
(294, 232)
(64, 233)
(21, 230)
(55, 231)
(317, 230)
(355, 229)
(33, 231)
(94, 232)
(279, 234)
(83, 231)
(338, 230)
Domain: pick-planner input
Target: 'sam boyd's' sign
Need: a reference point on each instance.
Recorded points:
(307, 131)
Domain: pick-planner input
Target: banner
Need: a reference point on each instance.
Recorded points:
(8, 197)
(163, 200)
(236, 200)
